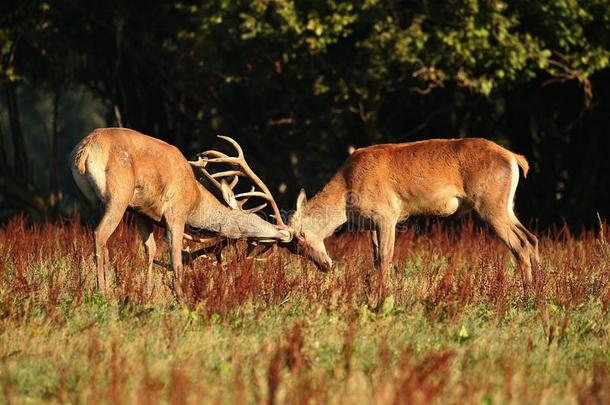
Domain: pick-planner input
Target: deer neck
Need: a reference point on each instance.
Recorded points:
(213, 216)
(326, 211)
(208, 212)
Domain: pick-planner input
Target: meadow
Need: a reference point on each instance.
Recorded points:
(456, 329)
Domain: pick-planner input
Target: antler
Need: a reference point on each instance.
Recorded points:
(244, 170)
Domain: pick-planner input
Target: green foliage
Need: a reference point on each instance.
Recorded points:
(478, 45)
(298, 82)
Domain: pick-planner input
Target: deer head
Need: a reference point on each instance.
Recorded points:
(308, 237)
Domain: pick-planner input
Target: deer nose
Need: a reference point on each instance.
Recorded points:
(325, 266)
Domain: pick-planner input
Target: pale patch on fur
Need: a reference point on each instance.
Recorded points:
(97, 173)
(452, 206)
(397, 203)
(85, 187)
(514, 180)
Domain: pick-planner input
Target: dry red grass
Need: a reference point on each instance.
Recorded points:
(446, 269)
(48, 270)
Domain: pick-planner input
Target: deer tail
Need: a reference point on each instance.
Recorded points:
(81, 153)
(79, 158)
(522, 162)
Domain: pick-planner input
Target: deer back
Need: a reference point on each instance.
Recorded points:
(116, 163)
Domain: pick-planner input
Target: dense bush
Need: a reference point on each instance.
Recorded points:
(298, 82)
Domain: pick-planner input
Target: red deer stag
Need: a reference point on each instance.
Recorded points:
(385, 184)
(122, 169)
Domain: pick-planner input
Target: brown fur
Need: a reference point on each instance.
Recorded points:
(120, 169)
(381, 185)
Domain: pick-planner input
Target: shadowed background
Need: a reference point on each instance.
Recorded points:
(298, 83)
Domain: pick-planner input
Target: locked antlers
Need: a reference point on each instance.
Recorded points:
(240, 169)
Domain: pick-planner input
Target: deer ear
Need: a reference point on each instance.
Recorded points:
(228, 195)
(301, 201)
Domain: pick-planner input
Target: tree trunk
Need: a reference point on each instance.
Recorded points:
(5, 167)
(54, 196)
(20, 160)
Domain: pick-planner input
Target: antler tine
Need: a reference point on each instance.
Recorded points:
(228, 173)
(219, 157)
(202, 162)
(240, 152)
(255, 209)
(213, 156)
(248, 172)
(265, 196)
(253, 194)
(211, 178)
(244, 201)
(234, 182)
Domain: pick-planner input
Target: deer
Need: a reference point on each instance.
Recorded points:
(381, 185)
(119, 169)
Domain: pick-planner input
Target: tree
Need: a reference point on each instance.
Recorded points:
(298, 82)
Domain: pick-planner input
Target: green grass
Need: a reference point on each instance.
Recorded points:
(458, 329)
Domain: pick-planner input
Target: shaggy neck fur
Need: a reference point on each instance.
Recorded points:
(326, 211)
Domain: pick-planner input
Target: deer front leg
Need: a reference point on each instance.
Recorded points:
(386, 233)
(376, 264)
(145, 229)
(375, 243)
(175, 231)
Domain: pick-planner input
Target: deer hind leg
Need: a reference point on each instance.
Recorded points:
(530, 244)
(522, 243)
(533, 241)
(496, 208)
(519, 245)
(110, 220)
(145, 229)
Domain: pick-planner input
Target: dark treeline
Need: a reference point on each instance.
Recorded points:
(299, 82)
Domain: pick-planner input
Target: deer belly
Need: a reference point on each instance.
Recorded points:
(443, 206)
(150, 212)
(151, 207)
(446, 207)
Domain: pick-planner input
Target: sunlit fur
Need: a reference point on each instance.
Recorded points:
(381, 185)
(117, 169)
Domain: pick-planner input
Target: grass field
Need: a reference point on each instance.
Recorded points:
(456, 328)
